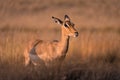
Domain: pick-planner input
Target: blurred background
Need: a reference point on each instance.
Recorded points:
(94, 55)
(84, 12)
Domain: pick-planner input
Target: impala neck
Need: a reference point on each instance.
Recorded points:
(64, 42)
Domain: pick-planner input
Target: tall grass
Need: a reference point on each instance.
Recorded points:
(94, 55)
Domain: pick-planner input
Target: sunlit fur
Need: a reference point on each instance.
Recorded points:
(53, 53)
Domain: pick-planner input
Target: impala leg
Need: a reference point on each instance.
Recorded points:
(27, 61)
(27, 58)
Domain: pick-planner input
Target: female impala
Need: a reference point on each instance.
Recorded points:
(51, 53)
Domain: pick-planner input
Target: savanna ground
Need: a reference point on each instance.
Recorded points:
(94, 55)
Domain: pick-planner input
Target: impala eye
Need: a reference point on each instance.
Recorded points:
(65, 25)
(73, 24)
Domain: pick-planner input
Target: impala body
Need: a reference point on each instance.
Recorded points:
(51, 53)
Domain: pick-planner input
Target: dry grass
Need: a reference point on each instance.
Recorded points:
(94, 55)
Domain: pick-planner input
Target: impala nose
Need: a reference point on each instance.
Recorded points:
(76, 34)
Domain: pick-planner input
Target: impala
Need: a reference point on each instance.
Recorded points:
(48, 53)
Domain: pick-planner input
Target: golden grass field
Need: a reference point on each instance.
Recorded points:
(93, 55)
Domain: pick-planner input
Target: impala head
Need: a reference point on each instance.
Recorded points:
(67, 26)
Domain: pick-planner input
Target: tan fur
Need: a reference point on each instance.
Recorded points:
(49, 53)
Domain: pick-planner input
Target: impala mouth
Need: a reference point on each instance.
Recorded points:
(76, 34)
(73, 34)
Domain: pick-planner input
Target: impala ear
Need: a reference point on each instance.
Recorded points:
(57, 20)
(66, 18)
